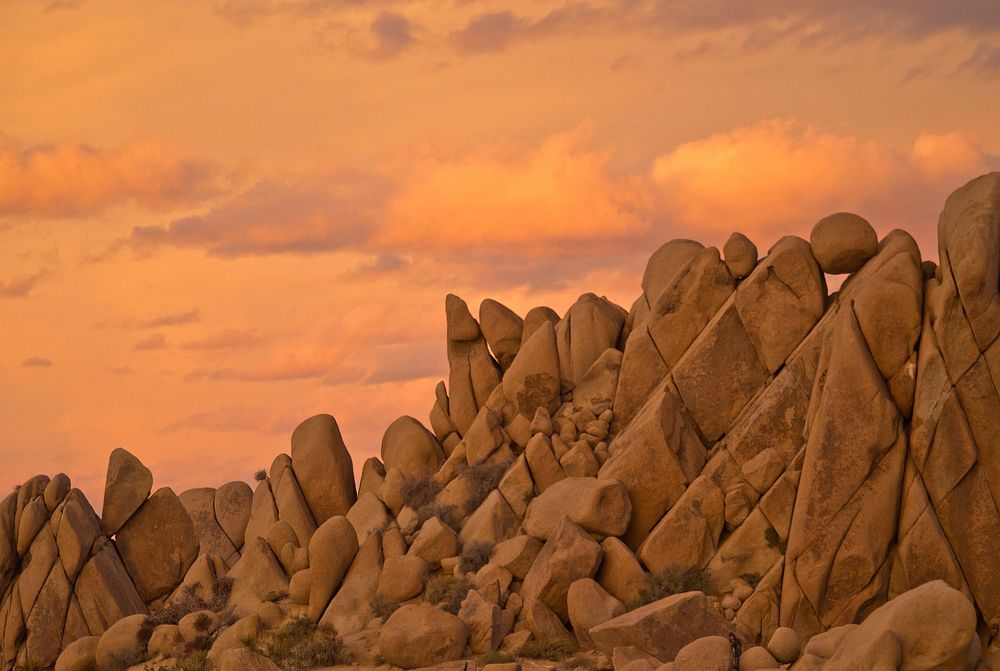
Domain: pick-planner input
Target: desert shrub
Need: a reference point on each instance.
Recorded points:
(553, 649)
(674, 579)
(419, 491)
(447, 592)
(752, 579)
(274, 596)
(495, 657)
(188, 601)
(382, 608)
(581, 663)
(302, 644)
(447, 514)
(29, 665)
(193, 661)
(203, 622)
(774, 540)
(260, 475)
(483, 478)
(475, 555)
(222, 588)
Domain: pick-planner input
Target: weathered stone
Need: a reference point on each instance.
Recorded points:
(492, 522)
(516, 554)
(654, 458)
(542, 462)
(293, 509)
(434, 542)
(483, 621)
(688, 535)
(663, 627)
(122, 645)
(784, 645)
(158, 544)
(589, 327)
(756, 658)
(57, 489)
(257, 576)
(80, 655)
(532, 380)
(350, 610)
(708, 653)
(535, 318)
(78, 529)
(243, 659)
(372, 477)
(105, 591)
(517, 487)
(601, 507)
(300, 586)
(402, 578)
(128, 484)
(933, 626)
(323, 467)
(200, 506)
(411, 448)
(842, 242)
(368, 515)
(473, 374)
(569, 555)
(263, 512)
(233, 503)
(331, 550)
(232, 637)
(620, 573)
(502, 329)
(740, 255)
(597, 386)
(580, 462)
(46, 618)
(590, 605)
(419, 635)
(543, 624)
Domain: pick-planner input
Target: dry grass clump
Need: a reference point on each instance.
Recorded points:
(674, 579)
(419, 491)
(447, 592)
(552, 649)
(496, 657)
(447, 514)
(382, 608)
(475, 555)
(300, 645)
(483, 478)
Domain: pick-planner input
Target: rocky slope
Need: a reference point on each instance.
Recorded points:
(740, 471)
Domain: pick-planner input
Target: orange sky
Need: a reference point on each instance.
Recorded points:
(217, 219)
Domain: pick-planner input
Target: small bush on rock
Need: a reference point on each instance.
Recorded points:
(419, 491)
(552, 649)
(195, 661)
(483, 478)
(447, 514)
(301, 644)
(674, 579)
(475, 555)
(447, 592)
(260, 475)
(382, 608)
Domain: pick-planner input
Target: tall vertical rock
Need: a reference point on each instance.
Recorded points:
(473, 374)
(323, 468)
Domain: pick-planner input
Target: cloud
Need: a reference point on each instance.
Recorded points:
(121, 370)
(560, 198)
(984, 61)
(324, 214)
(20, 286)
(235, 419)
(391, 34)
(782, 175)
(224, 339)
(68, 178)
(153, 342)
(36, 362)
(171, 319)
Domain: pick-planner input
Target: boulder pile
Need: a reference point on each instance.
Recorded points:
(741, 471)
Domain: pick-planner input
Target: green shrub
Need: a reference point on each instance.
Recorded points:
(553, 649)
(447, 592)
(475, 555)
(674, 579)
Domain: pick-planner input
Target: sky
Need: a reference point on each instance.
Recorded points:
(218, 218)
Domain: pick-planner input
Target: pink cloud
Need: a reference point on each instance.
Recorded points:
(70, 178)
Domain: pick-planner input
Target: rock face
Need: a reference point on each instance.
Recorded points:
(738, 463)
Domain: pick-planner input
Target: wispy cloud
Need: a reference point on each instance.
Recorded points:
(20, 286)
(155, 341)
(36, 362)
(224, 339)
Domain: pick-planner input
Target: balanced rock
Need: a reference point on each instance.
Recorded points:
(411, 448)
(569, 555)
(601, 507)
(740, 255)
(323, 467)
(842, 242)
(128, 484)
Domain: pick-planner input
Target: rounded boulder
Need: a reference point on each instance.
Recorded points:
(419, 635)
(843, 242)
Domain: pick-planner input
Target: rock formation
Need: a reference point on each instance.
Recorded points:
(740, 471)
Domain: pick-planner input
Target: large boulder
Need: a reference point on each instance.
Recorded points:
(331, 550)
(127, 485)
(590, 326)
(411, 448)
(532, 380)
(323, 467)
(420, 635)
(601, 507)
(570, 554)
(502, 328)
(158, 544)
(929, 627)
(590, 605)
(123, 644)
(200, 505)
(80, 655)
(233, 502)
(663, 627)
(740, 254)
(842, 242)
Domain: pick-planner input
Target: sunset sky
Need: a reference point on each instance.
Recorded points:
(220, 218)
